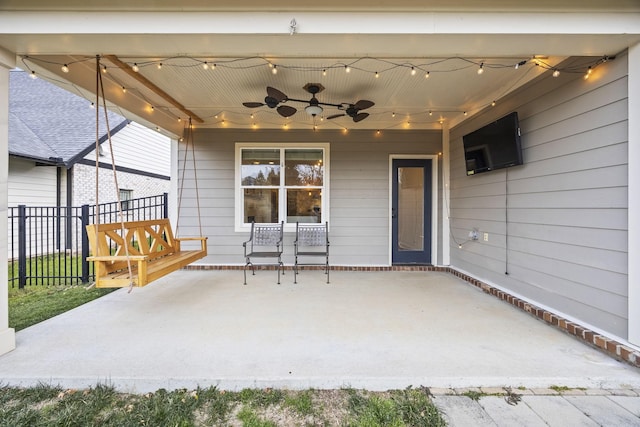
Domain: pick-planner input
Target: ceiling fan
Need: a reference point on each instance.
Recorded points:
(276, 98)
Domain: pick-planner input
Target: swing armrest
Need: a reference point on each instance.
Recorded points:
(117, 258)
(203, 242)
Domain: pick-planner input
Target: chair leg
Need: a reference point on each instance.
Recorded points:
(295, 271)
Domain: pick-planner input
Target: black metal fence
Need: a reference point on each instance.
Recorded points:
(49, 245)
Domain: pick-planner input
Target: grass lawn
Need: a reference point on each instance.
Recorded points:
(103, 406)
(34, 304)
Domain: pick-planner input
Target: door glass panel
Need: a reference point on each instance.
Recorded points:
(411, 208)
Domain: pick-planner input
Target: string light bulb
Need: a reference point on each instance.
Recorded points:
(205, 65)
(588, 74)
(92, 105)
(465, 113)
(33, 75)
(493, 103)
(481, 69)
(430, 113)
(347, 69)
(324, 72)
(159, 65)
(426, 76)
(413, 71)
(213, 67)
(377, 75)
(274, 70)
(104, 69)
(65, 68)
(393, 114)
(556, 73)
(135, 67)
(124, 89)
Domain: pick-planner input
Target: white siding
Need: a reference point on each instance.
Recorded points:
(558, 224)
(359, 190)
(140, 148)
(30, 184)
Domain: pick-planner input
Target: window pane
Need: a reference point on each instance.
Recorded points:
(260, 167)
(304, 205)
(303, 167)
(261, 205)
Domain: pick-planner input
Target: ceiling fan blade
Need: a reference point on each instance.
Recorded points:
(286, 111)
(253, 104)
(275, 93)
(335, 116)
(360, 116)
(363, 104)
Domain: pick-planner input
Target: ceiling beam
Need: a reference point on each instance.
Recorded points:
(151, 86)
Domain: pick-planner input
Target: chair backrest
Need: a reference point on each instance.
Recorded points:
(266, 234)
(312, 234)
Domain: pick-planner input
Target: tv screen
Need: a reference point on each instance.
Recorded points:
(494, 146)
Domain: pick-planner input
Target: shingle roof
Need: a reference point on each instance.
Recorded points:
(50, 124)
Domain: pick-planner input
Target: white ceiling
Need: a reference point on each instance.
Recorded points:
(242, 45)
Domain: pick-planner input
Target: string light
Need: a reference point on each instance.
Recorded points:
(124, 89)
(205, 65)
(393, 114)
(324, 72)
(65, 68)
(465, 113)
(426, 76)
(493, 104)
(159, 65)
(135, 67)
(104, 69)
(33, 75)
(377, 75)
(347, 69)
(92, 105)
(213, 67)
(430, 113)
(556, 73)
(588, 74)
(378, 132)
(481, 69)
(413, 71)
(274, 70)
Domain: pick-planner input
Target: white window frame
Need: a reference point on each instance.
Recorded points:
(240, 225)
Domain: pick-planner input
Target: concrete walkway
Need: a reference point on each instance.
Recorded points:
(373, 330)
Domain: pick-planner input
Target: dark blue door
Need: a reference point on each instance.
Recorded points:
(411, 211)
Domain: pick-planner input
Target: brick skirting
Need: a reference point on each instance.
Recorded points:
(611, 347)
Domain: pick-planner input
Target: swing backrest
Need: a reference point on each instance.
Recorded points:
(153, 238)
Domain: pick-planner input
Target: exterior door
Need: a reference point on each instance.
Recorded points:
(411, 211)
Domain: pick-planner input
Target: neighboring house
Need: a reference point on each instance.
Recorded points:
(52, 139)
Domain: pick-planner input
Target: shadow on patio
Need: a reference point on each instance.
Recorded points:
(373, 330)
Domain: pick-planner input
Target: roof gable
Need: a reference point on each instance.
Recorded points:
(50, 124)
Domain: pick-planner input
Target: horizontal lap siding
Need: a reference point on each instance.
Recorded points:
(563, 238)
(359, 190)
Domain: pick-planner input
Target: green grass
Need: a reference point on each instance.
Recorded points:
(33, 304)
(102, 406)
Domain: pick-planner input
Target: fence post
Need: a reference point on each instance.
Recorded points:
(84, 221)
(22, 246)
(166, 205)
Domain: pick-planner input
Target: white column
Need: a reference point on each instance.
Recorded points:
(634, 194)
(7, 335)
(446, 201)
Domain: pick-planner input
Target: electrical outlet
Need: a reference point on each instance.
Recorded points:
(486, 237)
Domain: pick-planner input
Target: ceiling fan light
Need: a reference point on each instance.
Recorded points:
(313, 110)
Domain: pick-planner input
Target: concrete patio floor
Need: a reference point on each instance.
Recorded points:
(373, 330)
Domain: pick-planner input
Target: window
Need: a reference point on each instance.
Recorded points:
(125, 196)
(283, 183)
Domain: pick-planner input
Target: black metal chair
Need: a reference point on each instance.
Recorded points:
(265, 241)
(312, 240)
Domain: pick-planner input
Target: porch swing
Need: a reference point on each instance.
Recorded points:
(135, 253)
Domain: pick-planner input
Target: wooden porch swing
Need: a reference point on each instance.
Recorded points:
(135, 253)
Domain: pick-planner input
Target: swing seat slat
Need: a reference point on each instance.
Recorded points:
(153, 252)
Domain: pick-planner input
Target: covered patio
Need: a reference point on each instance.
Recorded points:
(374, 330)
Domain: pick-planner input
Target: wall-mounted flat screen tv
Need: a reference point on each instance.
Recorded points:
(494, 146)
